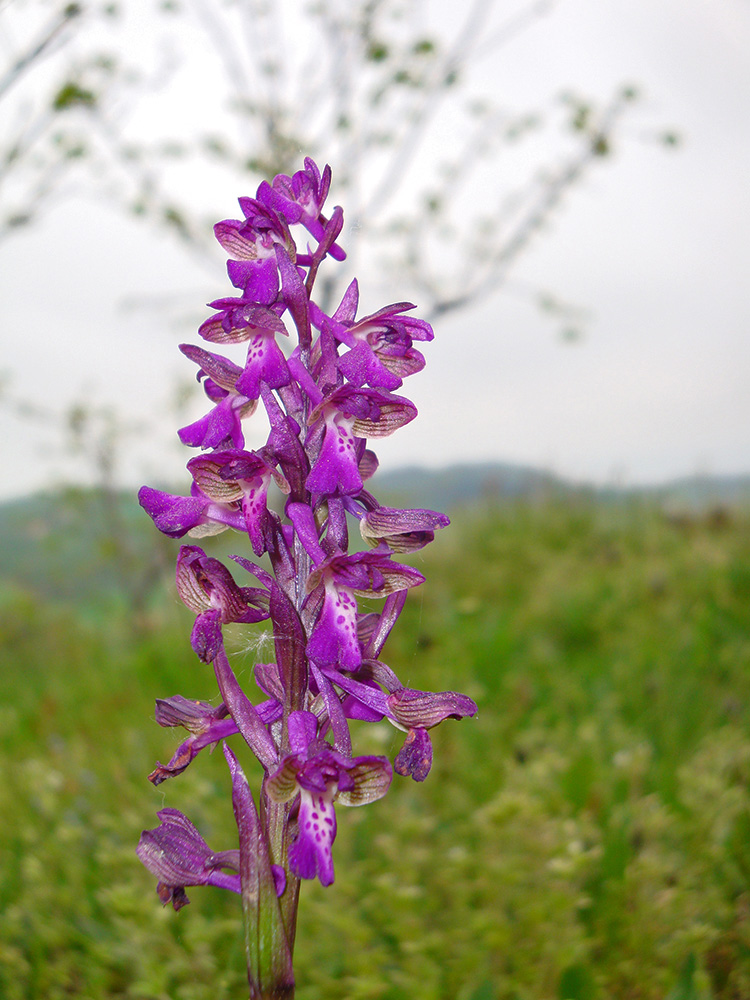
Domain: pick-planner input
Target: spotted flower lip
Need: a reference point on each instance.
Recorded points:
(258, 280)
(336, 467)
(349, 415)
(320, 775)
(265, 364)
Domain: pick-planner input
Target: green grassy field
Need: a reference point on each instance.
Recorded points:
(586, 837)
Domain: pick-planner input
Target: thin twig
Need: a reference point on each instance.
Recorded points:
(47, 37)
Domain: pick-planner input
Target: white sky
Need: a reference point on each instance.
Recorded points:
(654, 244)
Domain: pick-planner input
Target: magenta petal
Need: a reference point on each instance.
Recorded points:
(336, 467)
(334, 637)
(362, 366)
(415, 756)
(265, 362)
(310, 855)
(259, 280)
(218, 426)
(173, 515)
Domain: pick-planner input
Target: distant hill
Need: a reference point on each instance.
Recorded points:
(83, 545)
(702, 491)
(446, 488)
(80, 544)
(443, 489)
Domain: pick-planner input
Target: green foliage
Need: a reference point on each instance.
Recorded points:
(71, 95)
(377, 51)
(585, 837)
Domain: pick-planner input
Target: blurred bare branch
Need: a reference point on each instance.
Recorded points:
(50, 33)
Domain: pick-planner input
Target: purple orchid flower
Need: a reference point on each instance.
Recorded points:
(381, 351)
(238, 321)
(418, 711)
(325, 398)
(207, 726)
(252, 244)
(300, 199)
(178, 856)
(207, 587)
(205, 723)
(239, 477)
(320, 776)
(414, 712)
(348, 415)
(223, 424)
(198, 514)
(369, 574)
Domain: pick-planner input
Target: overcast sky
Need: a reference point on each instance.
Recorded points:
(654, 245)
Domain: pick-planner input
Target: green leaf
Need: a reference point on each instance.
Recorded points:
(70, 95)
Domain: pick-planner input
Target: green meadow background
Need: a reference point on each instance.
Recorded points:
(586, 837)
